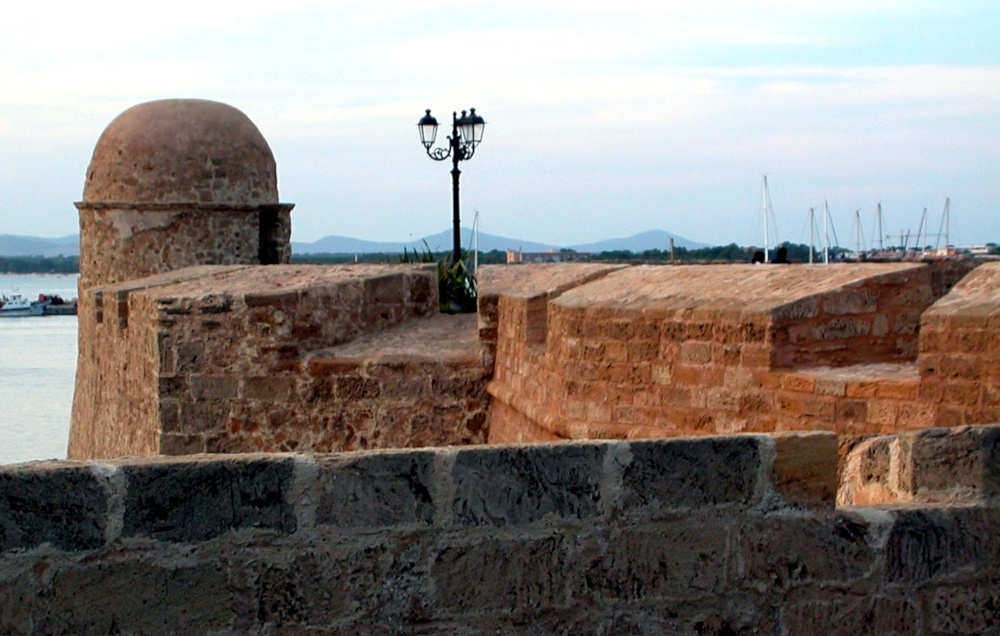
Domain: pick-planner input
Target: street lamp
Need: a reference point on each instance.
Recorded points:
(466, 134)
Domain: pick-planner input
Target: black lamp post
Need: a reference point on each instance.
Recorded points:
(466, 134)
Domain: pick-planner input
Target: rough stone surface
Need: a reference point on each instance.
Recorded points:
(182, 150)
(521, 539)
(519, 485)
(656, 351)
(195, 501)
(65, 508)
(375, 490)
(699, 473)
(805, 467)
(931, 466)
(279, 358)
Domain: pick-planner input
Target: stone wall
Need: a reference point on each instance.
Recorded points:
(243, 359)
(121, 242)
(228, 359)
(711, 535)
(654, 351)
(956, 465)
(960, 350)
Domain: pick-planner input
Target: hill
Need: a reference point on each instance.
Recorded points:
(17, 245)
(649, 240)
(652, 239)
(439, 242)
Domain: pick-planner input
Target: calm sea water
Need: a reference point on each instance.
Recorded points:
(37, 371)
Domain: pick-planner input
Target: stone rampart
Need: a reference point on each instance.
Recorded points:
(960, 350)
(229, 359)
(731, 534)
(653, 351)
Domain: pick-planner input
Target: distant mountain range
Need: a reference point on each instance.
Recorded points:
(15, 245)
(653, 239)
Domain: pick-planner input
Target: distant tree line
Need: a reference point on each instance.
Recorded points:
(485, 258)
(731, 253)
(39, 264)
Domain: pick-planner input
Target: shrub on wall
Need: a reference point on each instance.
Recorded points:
(456, 284)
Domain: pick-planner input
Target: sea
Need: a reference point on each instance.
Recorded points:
(37, 371)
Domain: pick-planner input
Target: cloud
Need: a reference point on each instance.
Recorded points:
(592, 108)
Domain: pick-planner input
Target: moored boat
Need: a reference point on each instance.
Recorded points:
(16, 305)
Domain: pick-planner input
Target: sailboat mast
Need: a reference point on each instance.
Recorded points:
(812, 225)
(922, 232)
(826, 234)
(857, 232)
(881, 232)
(947, 222)
(763, 213)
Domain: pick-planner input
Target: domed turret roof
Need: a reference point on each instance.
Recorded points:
(182, 151)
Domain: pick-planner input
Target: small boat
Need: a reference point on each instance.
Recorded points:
(17, 305)
(58, 306)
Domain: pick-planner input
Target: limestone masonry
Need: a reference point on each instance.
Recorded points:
(712, 535)
(835, 467)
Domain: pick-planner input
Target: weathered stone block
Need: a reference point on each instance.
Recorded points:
(203, 416)
(523, 484)
(952, 464)
(66, 507)
(267, 388)
(805, 468)
(865, 478)
(850, 302)
(357, 388)
(964, 609)
(181, 444)
(213, 387)
(319, 586)
(801, 309)
(493, 573)
(863, 614)
(779, 553)
(851, 410)
(375, 490)
(278, 299)
(674, 560)
(388, 289)
(935, 543)
(137, 596)
(195, 501)
(840, 328)
(696, 352)
(690, 473)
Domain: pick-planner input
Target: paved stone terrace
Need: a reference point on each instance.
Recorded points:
(441, 338)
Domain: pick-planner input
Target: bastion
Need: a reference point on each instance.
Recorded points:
(261, 447)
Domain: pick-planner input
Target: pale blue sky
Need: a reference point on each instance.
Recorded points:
(604, 119)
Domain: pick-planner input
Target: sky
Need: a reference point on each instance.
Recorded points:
(604, 119)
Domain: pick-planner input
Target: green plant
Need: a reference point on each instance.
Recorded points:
(456, 284)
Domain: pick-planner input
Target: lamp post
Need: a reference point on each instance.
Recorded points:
(466, 134)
